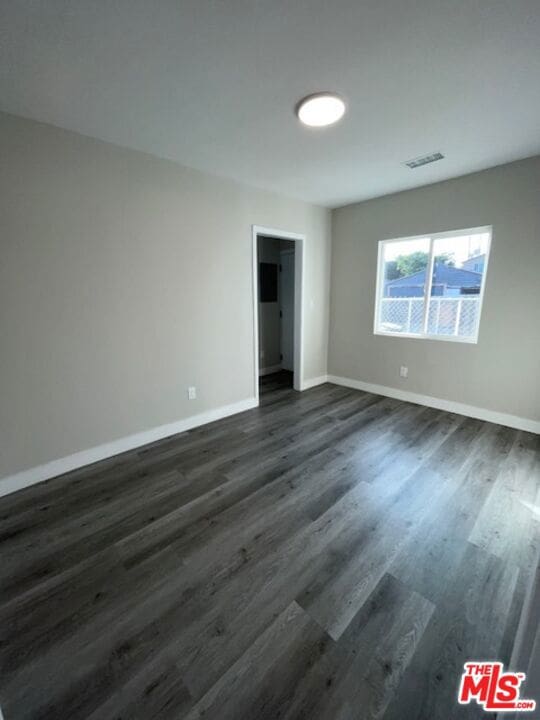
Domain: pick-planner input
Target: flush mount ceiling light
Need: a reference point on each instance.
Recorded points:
(320, 109)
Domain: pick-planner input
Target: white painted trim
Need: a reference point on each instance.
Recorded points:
(299, 264)
(444, 338)
(255, 300)
(34, 475)
(269, 370)
(493, 416)
(428, 287)
(299, 260)
(312, 382)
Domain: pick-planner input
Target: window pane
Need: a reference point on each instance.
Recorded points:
(458, 273)
(402, 287)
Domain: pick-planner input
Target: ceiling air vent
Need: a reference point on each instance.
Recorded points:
(419, 161)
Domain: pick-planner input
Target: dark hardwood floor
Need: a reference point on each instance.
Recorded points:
(331, 554)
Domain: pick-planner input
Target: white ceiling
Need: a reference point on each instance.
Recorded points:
(213, 84)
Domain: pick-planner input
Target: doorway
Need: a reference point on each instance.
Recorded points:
(286, 304)
(277, 284)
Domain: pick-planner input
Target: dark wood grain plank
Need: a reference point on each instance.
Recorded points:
(329, 554)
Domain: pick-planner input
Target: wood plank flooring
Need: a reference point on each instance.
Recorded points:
(331, 554)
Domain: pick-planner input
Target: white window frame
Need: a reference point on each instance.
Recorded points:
(427, 287)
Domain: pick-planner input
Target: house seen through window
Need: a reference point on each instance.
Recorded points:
(432, 286)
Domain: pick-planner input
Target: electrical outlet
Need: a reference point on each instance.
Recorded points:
(403, 371)
(192, 393)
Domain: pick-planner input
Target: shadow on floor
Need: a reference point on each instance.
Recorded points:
(281, 380)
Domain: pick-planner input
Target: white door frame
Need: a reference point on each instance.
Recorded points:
(299, 247)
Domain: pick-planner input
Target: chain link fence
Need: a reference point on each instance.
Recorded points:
(446, 316)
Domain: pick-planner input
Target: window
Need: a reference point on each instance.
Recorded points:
(432, 286)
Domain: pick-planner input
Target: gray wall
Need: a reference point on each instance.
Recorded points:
(124, 279)
(501, 372)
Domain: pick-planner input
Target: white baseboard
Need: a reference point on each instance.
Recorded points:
(312, 382)
(34, 475)
(493, 416)
(269, 370)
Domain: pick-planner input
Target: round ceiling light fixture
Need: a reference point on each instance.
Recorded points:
(320, 109)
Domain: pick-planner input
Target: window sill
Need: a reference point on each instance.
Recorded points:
(414, 336)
